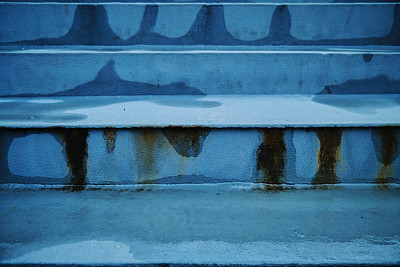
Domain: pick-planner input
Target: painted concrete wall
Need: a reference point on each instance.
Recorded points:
(49, 72)
(199, 24)
(200, 155)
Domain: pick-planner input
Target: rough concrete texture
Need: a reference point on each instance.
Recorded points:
(176, 155)
(195, 72)
(198, 23)
(348, 225)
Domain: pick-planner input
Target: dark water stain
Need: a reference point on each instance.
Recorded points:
(386, 145)
(380, 84)
(271, 156)
(187, 142)
(108, 83)
(91, 27)
(76, 150)
(147, 141)
(330, 140)
(368, 57)
(110, 136)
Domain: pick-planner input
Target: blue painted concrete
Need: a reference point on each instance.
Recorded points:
(77, 72)
(218, 111)
(37, 155)
(153, 155)
(225, 225)
(251, 25)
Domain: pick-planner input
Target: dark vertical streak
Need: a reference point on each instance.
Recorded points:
(330, 140)
(386, 146)
(271, 156)
(75, 141)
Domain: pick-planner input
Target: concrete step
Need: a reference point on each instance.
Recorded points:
(174, 155)
(200, 23)
(219, 225)
(212, 111)
(58, 72)
(213, 139)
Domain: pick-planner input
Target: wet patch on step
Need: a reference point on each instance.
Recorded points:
(380, 84)
(109, 83)
(328, 154)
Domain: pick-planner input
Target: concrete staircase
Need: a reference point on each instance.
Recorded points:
(261, 96)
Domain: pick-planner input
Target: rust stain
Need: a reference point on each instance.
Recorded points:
(271, 156)
(386, 147)
(75, 144)
(147, 141)
(110, 136)
(187, 142)
(330, 140)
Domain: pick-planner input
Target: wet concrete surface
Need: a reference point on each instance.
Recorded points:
(342, 225)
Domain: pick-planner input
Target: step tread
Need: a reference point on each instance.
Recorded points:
(219, 111)
(347, 226)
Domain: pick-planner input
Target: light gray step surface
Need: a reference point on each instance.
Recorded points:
(216, 111)
(243, 23)
(201, 71)
(336, 226)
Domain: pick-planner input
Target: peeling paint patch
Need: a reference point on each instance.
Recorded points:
(271, 156)
(328, 154)
(187, 142)
(386, 146)
(76, 150)
(110, 136)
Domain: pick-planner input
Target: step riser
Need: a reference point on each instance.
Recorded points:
(253, 25)
(199, 73)
(200, 155)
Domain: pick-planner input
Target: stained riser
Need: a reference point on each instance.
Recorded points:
(198, 24)
(132, 73)
(200, 155)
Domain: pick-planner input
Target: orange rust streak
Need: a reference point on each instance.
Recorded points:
(328, 154)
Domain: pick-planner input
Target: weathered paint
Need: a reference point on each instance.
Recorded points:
(146, 156)
(328, 154)
(195, 72)
(187, 142)
(146, 145)
(271, 156)
(199, 24)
